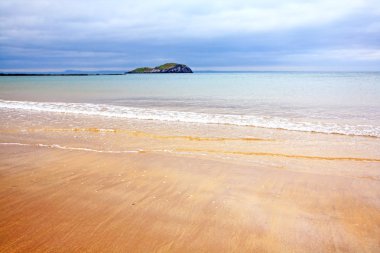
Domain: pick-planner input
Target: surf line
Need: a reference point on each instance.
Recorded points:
(142, 134)
(139, 151)
(359, 159)
(73, 148)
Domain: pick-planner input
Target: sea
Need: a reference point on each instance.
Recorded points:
(346, 103)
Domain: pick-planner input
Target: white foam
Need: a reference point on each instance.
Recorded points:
(15, 144)
(192, 117)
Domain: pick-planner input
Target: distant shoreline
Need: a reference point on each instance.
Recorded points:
(5, 74)
(197, 72)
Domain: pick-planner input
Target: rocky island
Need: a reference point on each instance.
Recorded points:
(165, 68)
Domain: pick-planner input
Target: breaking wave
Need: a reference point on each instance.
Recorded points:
(115, 111)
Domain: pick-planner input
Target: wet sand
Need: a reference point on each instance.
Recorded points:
(211, 193)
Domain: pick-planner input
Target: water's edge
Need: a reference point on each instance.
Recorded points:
(115, 111)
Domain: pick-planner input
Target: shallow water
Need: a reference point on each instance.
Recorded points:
(343, 103)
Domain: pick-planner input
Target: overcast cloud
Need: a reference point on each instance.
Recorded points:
(221, 35)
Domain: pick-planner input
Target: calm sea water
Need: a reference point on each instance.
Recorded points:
(344, 103)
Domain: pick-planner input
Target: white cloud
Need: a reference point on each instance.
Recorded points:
(108, 32)
(128, 20)
(354, 54)
(342, 55)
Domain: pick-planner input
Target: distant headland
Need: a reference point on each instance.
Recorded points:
(165, 68)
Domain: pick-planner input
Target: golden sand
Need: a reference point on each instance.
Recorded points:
(88, 187)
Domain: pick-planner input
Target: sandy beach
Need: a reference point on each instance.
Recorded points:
(190, 126)
(142, 187)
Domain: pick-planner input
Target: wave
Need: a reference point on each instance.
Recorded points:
(193, 117)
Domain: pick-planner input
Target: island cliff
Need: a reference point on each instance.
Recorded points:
(165, 68)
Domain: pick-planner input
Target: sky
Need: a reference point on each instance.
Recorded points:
(299, 35)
